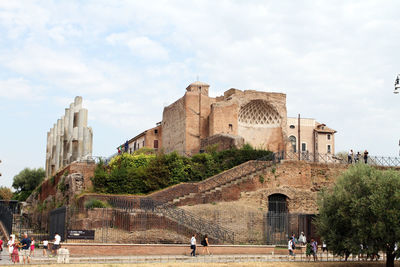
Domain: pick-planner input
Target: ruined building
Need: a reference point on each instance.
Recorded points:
(197, 120)
(70, 139)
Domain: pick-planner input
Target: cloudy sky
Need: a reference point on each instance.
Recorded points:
(335, 60)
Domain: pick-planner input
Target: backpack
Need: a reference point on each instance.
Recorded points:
(203, 242)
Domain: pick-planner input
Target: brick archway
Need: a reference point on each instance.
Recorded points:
(287, 193)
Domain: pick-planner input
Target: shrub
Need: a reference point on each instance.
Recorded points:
(95, 203)
(144, 173)
(61, 185)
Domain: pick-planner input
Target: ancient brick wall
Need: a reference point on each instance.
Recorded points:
(173, 126)
(223, 142)
(224, 118)
(49, 186)
(299, 181)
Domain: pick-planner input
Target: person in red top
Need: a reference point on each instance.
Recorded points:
(1, 247)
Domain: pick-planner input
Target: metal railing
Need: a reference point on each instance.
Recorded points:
(340, 159)
(180, 216)
(197, 223)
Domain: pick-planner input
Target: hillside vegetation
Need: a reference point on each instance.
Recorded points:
(145, 172)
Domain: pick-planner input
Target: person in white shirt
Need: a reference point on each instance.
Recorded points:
(302, 239)
(290, 247)
(45, 247)
(10, 243)
(56, 244)
(193, 245)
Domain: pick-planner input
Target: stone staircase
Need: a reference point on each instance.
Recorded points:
(186, 221)
(219, 186)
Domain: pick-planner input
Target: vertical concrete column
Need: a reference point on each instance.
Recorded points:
(82, 123)
(78, 103)
(58, 143)
(87, 142)
(54, 143)
(48, 153)
(62, 131)
(66, 136)
(70, 131)
(70, 139)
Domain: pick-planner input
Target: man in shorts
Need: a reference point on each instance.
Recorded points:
(25, 246)
(56, 244)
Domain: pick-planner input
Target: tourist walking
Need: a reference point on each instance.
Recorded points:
(25, 248)
(205, 245)
(193, 245)
(32, 248)
(324, 247)
(10, 243)
(14, 254)
(302, 239)
(45, 247)
(1, 248)
(291, 246)
(357, 157)
(56, 244)
(308, 251)
(365, 156)
(350, 156)
(314, 246)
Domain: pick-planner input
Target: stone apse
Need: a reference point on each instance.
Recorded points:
(70, 139)
(249, 116)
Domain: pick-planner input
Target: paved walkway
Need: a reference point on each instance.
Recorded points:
(39, 259)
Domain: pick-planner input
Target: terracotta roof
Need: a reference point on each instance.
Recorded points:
(322, 128)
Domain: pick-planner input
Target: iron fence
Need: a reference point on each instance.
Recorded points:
(180, 216)
(113, 225)
(340, 159)
(279, 227)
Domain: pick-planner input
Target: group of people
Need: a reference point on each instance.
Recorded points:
(311, 247)
(356, 157)
(204, 243)
(26, 247)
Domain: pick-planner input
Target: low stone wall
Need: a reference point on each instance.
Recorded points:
(102, 249)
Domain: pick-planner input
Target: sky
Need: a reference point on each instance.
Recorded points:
(335, 60)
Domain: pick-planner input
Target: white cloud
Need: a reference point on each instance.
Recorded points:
(140, 46)
(16, 88)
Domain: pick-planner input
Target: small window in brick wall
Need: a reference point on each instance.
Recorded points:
(155, 143)
(230, 127)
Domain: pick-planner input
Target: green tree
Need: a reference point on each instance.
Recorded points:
(362, 208)
(26, 181)
(5, 193)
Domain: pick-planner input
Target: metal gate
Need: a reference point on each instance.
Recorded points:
(278, 227)
(57, 220)
(6, 217)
